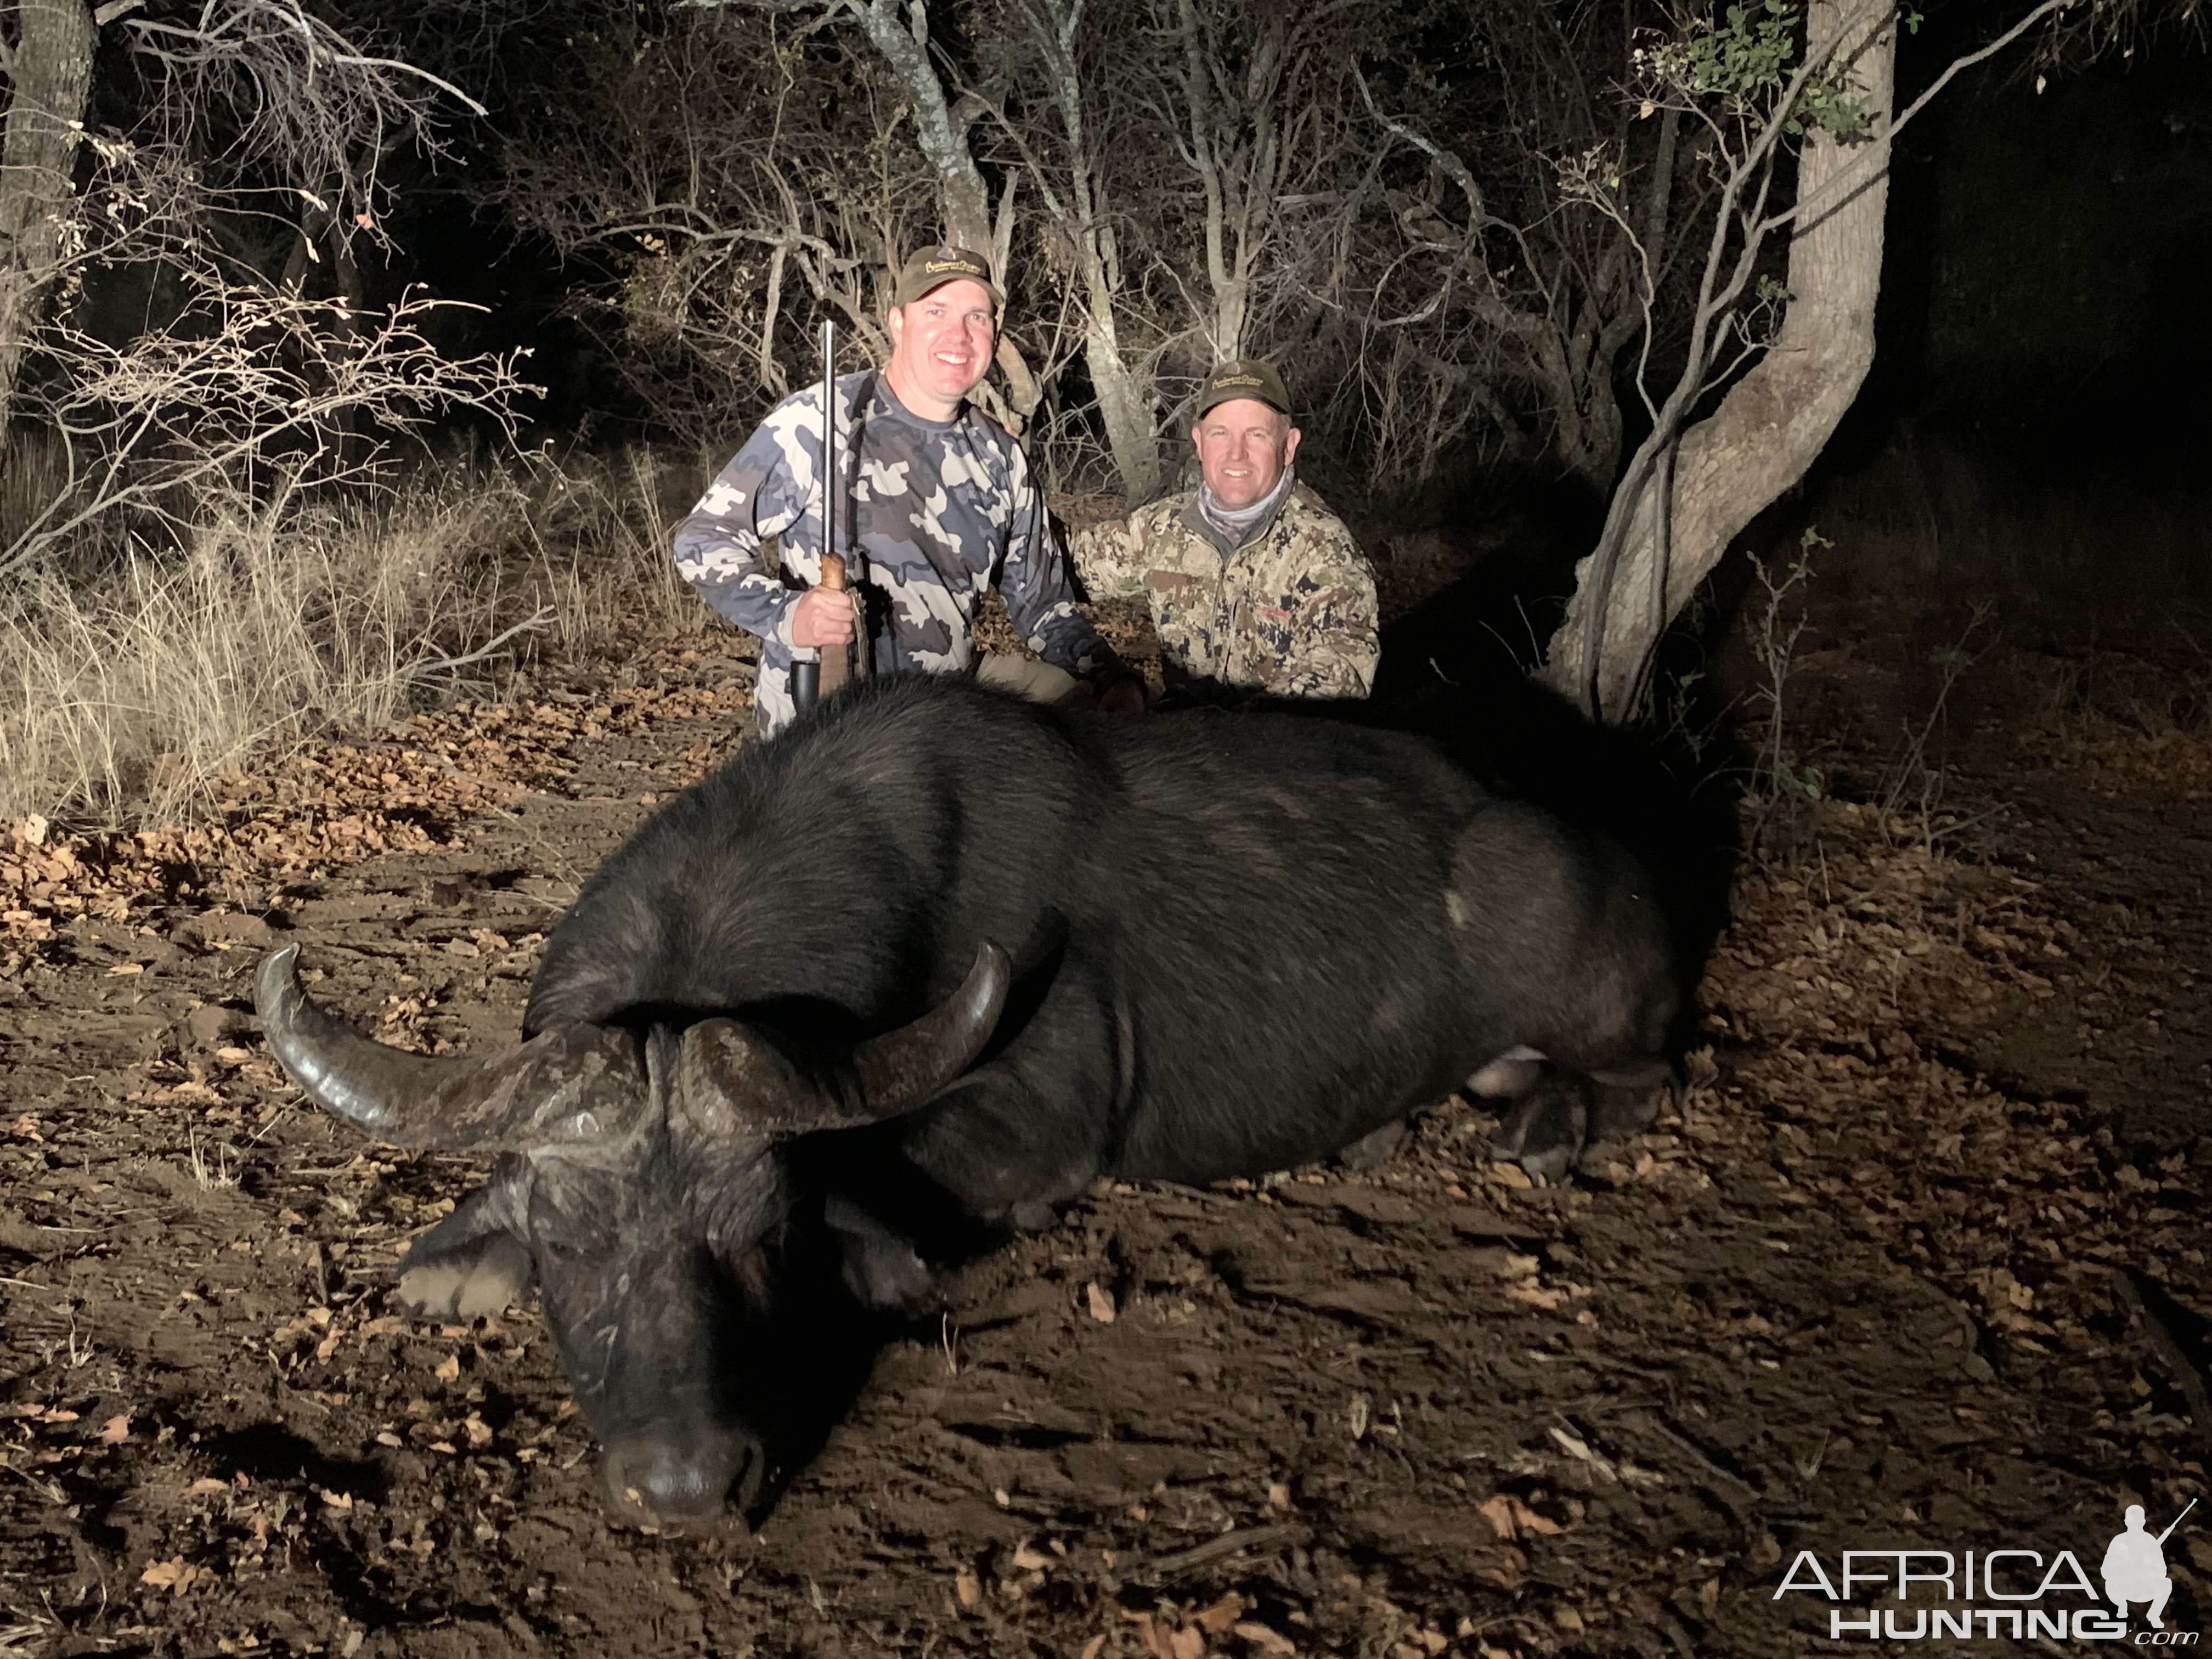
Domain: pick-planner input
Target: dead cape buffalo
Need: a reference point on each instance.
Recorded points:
(936, 935)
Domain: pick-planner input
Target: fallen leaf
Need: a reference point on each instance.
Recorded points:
(1094, 1647)
(122, 970)
(447, 1369)
(1222, 1614)
(1502, 1565)
(1029, 1560)
(336, 1500)
(1188, 1644)
(1529, 1521)
(206, 1486)
(116, 1430)
(1278, 1496)
(1536, 1296)
(172, 1575)
(1498, 1510)
(968, 1586)
(1102, 1303)
(1261, 1636)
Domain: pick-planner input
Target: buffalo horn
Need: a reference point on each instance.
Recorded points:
(731, 1068)
(572, 1082)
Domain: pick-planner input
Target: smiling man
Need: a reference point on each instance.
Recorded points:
(1252, 583)
(934, 495)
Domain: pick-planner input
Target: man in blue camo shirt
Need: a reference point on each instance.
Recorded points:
(937, 499)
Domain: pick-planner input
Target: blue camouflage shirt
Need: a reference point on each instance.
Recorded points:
(937, 510)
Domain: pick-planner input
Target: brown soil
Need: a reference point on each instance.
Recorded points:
(1912, 1265)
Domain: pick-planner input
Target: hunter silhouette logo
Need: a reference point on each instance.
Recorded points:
(1998, 1595)
(2134, 1566)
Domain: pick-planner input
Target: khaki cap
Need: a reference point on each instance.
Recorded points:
(932, 268)
(1245, 377)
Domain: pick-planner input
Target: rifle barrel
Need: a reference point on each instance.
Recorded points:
(2178, 1520)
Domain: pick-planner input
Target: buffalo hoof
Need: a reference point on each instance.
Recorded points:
(1545, 1130)
(479, 1282)
(1372, 1151)
(1510, 1076)
(1624, 1103)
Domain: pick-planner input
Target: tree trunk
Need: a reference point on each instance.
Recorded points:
(52, 77)
(1128, 413)
(964, 198)
(942, 138)
(1776, 420)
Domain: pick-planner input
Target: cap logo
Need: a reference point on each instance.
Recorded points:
(933, 266)
(1238, 379)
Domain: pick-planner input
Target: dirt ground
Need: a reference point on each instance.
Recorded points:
(1918, 1263)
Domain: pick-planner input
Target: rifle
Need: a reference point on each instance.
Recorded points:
(2178, 1520)
(826, 668)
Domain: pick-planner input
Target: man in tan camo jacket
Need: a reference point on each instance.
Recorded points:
(1254, 584)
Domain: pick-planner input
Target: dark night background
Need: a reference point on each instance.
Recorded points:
(2045, 341)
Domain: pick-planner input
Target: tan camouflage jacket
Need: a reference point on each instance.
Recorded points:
(1291, 612)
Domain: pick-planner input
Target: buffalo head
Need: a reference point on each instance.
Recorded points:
(639, 1180)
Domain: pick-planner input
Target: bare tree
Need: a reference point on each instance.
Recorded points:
(741, 173)
(1520, 297)
(1059, 137)
(1698, 480)
(49, 73)
(238, 377)
(245, 391)
(1249, 113)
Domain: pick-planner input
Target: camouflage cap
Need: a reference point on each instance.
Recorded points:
(1245, 377)
(932, 268)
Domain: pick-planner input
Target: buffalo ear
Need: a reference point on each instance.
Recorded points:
(732, 1073)
(475, 1262)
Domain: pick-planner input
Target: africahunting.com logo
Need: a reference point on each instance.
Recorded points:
(2005, 1595)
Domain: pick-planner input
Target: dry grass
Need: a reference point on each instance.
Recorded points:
(598, 534)
(124, 694)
